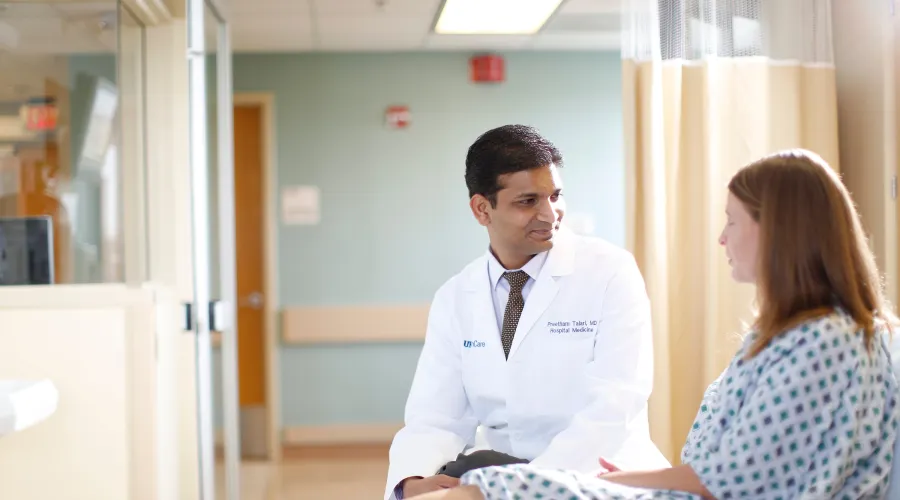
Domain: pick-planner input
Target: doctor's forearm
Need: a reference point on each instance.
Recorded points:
(681, 478)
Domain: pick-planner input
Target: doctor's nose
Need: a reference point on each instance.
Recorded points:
(722, 238)
(548, 212)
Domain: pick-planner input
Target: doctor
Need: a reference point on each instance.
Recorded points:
(544, 341)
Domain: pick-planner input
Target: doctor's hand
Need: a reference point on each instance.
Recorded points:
(418, 486)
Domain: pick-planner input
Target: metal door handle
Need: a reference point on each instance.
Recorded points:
(253, 300)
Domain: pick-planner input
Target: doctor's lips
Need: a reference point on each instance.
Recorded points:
(545, 232)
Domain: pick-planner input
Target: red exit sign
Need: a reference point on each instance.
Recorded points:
(40, 114)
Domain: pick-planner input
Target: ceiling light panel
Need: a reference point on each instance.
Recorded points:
(494, 17)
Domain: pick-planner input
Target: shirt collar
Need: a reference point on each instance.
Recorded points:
(496, 270)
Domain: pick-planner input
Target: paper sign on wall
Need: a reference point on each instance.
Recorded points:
(300, 205)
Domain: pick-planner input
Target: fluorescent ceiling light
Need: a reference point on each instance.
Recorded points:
(494, 17)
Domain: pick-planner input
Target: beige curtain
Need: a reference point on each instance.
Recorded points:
(707, 89)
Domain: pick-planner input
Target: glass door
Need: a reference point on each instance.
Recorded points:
(212, 195)
(225, 359)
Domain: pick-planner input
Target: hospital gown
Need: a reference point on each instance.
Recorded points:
(812, 416)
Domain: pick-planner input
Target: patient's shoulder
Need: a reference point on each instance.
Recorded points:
(834, 328)
(833, 339)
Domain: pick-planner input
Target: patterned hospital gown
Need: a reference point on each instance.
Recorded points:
(813, 416)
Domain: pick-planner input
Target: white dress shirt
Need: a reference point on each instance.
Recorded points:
(500, 287)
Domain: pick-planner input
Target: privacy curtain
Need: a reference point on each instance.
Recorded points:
(709, 86)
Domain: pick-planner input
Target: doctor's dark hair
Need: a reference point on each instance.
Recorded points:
(506, 150)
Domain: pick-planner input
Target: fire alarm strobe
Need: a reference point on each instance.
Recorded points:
(487, 68)
(397, 117)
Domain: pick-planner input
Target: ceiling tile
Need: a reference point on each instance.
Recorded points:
(583, 23)
(477, 42)
(270, 8)
(265, 40)
(369, 45)
(261, 44)
(591, 7)
(36, 27)
(272, 25)
(373, 26)
(357, 34)
(264, 5)
(60, 46)
(376, 7)
(25, 10)
(592, 41)
(84, 9)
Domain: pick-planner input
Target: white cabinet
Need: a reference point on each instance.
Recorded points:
(25, 403)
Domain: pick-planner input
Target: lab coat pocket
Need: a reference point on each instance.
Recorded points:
(571, 350)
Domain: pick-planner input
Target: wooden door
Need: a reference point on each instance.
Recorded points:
(39, 170)
(250, 250)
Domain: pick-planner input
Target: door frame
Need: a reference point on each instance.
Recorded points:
(266, 102)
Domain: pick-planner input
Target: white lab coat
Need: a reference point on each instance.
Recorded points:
(574, 388)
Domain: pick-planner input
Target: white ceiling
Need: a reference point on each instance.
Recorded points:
(404, 25)
(45, 28)
(309, 25)
(35, 37)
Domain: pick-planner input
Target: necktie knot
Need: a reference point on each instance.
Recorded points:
(516, 279)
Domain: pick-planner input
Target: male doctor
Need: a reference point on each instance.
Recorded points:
(544, 341)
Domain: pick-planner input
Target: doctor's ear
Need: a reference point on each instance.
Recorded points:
(481, 209)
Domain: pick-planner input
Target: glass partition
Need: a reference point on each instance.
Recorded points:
(212, 195)
(222, 258)
(71, 75)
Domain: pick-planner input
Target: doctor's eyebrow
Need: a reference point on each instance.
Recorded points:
(536, 195)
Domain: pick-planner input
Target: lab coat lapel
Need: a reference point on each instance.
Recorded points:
(559, 262)
(482, 307)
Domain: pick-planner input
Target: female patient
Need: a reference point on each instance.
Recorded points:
(808, 406)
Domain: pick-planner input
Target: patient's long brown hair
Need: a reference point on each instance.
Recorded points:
(813, 253)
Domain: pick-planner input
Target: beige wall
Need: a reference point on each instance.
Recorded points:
(865, 55)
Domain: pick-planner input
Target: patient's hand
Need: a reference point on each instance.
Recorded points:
(608, 466)
(461, 493)
(418, 486)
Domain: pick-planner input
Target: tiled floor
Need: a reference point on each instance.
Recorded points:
(336, 474)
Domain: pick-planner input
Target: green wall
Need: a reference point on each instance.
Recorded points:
(395, 221)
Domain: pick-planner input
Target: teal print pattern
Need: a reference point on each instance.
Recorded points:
(523, 482)
(813, 416)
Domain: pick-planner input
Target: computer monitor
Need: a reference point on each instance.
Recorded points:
(26, 251)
